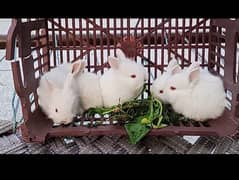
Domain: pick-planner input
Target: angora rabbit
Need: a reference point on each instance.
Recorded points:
(197, 94)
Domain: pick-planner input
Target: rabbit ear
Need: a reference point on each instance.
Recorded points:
(77, 67)
(49, 84)
(194, 72)
(146, 76)
(176, 69)
(171, 64)
(120, 54)
(173, 67)
(114, 62)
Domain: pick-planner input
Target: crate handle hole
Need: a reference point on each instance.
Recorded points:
(205, 124)
(186, 123)
(196, 124)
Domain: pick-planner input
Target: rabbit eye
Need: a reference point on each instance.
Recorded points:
(172, 88)
(56, 110)
(161, 91)
(133, 76)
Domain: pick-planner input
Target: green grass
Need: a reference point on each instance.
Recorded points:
(139, 116)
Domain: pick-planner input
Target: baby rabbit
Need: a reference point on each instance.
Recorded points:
(158, 86)
(196, 94)
(88, 87)
(123, 81)
(60, 102)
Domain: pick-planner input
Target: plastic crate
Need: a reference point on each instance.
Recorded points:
(45, 43)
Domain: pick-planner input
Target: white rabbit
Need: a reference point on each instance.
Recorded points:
(123, 81)
(60, 103)
(58, 74)
(158, 85)
(196, 94)
(89, 91)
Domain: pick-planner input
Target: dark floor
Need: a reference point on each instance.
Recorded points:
(12, 144)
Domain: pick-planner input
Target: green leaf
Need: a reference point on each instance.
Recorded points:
(136, 131)
(145, 121)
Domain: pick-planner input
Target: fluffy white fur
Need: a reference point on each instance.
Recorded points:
(89, 91)
(198, 95)
(158, 86)
(58, 74)
(117, 84)
(57, 95)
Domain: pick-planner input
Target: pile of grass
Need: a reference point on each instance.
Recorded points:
(139, 116)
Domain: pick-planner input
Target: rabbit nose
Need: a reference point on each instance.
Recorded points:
(161, 91)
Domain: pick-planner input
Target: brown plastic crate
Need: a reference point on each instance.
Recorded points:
(44, 43)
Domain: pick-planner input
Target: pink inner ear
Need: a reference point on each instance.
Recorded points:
(194, 75)
(113, 62)
(120, 54)
(176, 69)
(75, 67)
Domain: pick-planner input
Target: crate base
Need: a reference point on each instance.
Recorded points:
(41, 128)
